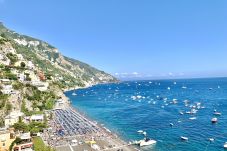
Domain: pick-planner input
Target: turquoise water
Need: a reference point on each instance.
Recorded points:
(128, 107)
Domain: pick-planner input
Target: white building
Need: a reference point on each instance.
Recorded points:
(37, 118)
(5, 81)
(42, 86)
(21, 77)
(13, 118)
(30, 65)
(7, 89)
(26, 144)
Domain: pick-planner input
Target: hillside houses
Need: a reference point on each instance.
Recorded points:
(7, 136)
(25, 144)
(13, 118)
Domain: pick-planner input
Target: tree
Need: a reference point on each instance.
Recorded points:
(21, 126)
(22, 64)
(13, 58)
(3, 35)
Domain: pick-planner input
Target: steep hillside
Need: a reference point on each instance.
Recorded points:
(65, 71)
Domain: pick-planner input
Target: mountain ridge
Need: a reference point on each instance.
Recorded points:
(72, 71)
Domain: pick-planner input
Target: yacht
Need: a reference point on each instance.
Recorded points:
(184, 87)
(225, 145)
(192, 118)
(184, 138)
(147, 142)
(140, 131)
(211, 139)
(217, 113)
(214, 120)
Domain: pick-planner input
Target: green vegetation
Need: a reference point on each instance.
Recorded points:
(21, 126)
(22, 64)
(7, 74)
(17, 85)
(24, 109)
(27, 112)
(3, 99)
(16, 141)
(41, 100)
(13, 58)
(33, 127)
(39, 145)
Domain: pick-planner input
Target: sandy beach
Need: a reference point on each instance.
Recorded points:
(73, 131)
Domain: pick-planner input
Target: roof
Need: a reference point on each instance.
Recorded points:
(37, 117)
(5, 80)
(25, 136)
(14, 115)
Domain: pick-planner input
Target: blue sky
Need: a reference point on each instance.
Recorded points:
(130, 38)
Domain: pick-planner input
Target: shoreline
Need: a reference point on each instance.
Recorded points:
(111, 137)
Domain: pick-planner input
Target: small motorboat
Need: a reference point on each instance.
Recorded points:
(192, 118)
(140, 131)
(217, 113)
(181, 113)
(214, 120)
(171, 124)
(211, 139)
(184, 138)
(225, 145)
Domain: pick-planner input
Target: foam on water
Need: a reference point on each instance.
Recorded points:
(128, 107)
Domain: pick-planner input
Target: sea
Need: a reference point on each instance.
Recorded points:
(165, 109)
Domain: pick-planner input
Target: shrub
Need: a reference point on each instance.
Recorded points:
(22, 64)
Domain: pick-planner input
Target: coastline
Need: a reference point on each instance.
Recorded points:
(112, 138)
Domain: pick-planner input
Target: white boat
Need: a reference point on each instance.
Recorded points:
(217, 113)
(184, 87)
(211, 139)
(181, 113)
(192, 118)
(147, 142)
(225, 145)
(140, 131)
(168, 88)
(184, 138)
(214, 120)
